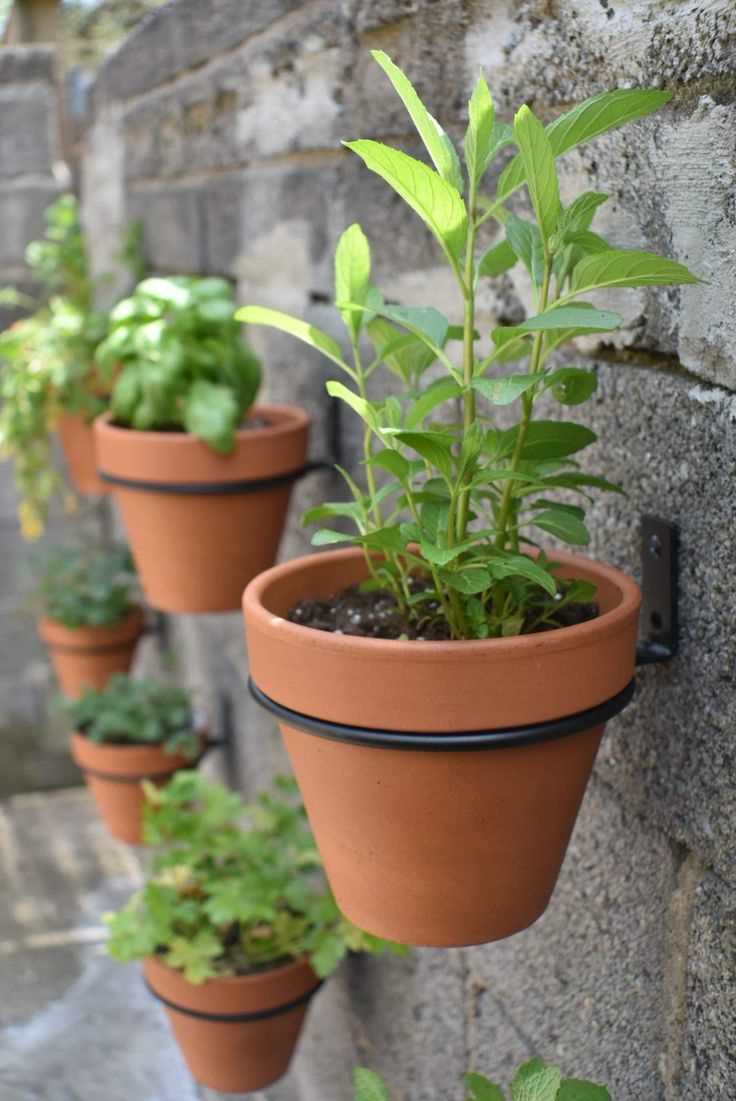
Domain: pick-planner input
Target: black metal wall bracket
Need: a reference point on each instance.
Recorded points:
(659, 584)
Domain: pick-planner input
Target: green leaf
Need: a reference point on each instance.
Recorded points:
(352, 274)
(405, 354)
(211, 413)
(330, 951)
(325, 537)
(586, 121)
(432, 446)
(369, 1086)
(469, 581)
(503, 391)
(481, 1089)
(392, 461)
(479, 134)
(577, 480)
(519, 565)
(438, 203)
(496, 260)
(539, 170)
(359, 405)
(628, 268)
(349, 509)
(581, 211)
(574, 1089)
(563, 525)
(436, 141)
(535, 1081)
(571, 385)
(578, 315)
(439, 391)
(525, 240)
(587, 241)
(309, 334)
(549, 439)
(421, 320)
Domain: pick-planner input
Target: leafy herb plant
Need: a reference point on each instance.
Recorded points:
(534, 1081)
(87, 586)
(448, 492)
(234, 888)
(184, 363)
(137, 712)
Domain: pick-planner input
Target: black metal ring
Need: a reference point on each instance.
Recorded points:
(204, 489)
(463, 740)
(235, 1018)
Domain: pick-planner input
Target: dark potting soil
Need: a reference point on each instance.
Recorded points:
(375, 614)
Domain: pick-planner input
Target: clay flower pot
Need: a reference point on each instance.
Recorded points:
(201, 524)
(86, 657)
(78, 444)
(236, 1034)
(114, 773)
(442, 779)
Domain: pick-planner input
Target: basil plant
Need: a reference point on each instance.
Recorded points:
(448, 493)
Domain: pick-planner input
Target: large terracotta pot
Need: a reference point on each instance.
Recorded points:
(236, 1034)
(86, 657)
(78, 443)
(114, 774)
(442, 779)
(201, 524)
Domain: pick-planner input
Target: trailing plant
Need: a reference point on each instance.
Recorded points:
(534, 1081)
(137, 712)
(87, 586)
(184, 363)
(235, 888)
(449, 493)
(47, 360)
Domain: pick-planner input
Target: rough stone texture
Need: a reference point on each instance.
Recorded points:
(230, 154)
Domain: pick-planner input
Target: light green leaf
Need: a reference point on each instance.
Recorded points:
(574, 1089)
(369, 1086)
(359, 405)
(519, 565)
(575, 316)
(536, 1082)
(432, 446)
(588, 241)
(349, 509)
(496, 260)
(392, 461)
(436, 141)
(581, 210)
(211, 413)
(404, 353)
(571, 385)
(438, 203)
(576, 479)
(539, 170)
(549, 439)
(525, 240)
(504, 391)
(421, 320)
(352, 274)
(442, 390)
(561, 523)
(325, 537)
(479, 134)
(309, 334)
(481, 1089)
(628, 268)
(469, 581)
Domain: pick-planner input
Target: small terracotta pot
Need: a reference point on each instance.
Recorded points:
(201, 524)
(86, 657)
(442, 779)
(78, 443)
(114, 773)
(236, 1034)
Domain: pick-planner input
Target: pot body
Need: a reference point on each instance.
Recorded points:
(196, 549)
(114, 774)
(86, 657)
(78, 443)
(236, 1056)
(439, 846)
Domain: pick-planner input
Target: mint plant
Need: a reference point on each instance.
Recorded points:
(86, 586)
(534, 1081)
(448, 493)
(182, 362)
(234, 888)
(136, 712)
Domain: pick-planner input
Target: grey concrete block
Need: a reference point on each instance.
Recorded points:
(26, 64)
(21, 215)
(28, 138)
(173, 236)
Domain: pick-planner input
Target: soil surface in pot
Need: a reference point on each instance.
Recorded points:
(374, 613)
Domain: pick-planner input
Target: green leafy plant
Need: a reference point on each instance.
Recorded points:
(86, 586)
(449, 493)
(184, 363)
(235, 888)
(137, 712)
(534, 1081)
(48, 360)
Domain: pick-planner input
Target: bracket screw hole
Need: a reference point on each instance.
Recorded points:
(656, 621)
(655, 546)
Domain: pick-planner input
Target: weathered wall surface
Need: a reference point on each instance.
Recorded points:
(219, 123)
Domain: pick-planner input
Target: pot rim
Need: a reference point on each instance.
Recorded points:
(294, 416)
(92, 637)
(234, 980)
(561, 638)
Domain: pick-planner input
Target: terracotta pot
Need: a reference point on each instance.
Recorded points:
(200, 524)
(113, 774)
(236, 1034)
(86, 657)
(442, 779)
(78, 443)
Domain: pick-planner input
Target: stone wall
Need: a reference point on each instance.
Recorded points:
(218, 124)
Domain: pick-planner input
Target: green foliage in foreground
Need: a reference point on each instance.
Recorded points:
(86, 586)
(534, 1081)
(234, 888)
(448, 492)
(184, 363)
(137, 712)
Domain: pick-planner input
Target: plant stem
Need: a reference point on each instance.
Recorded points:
(367, 439)
(468, 347)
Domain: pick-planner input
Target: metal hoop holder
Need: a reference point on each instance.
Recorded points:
(235, 1018)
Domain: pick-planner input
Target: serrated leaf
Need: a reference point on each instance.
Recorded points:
(436, 141)
(574, 1089)
(539, 169)
(438, 392)
(438, 203)
(432, 447)
(563, 525)
(421, 320)
(504, 391)
(628, 268)
(526, 242)
(535, 1081)
(581, 211)
(577, 316)
(549, 439)
(571, 385)
(478, 142)
(352, 274)
(481, 1089)
(587, 241)
(519, 565)
(211, 413)
(497, 259)
(369, 1086)
(469, 581)
(302, 330)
